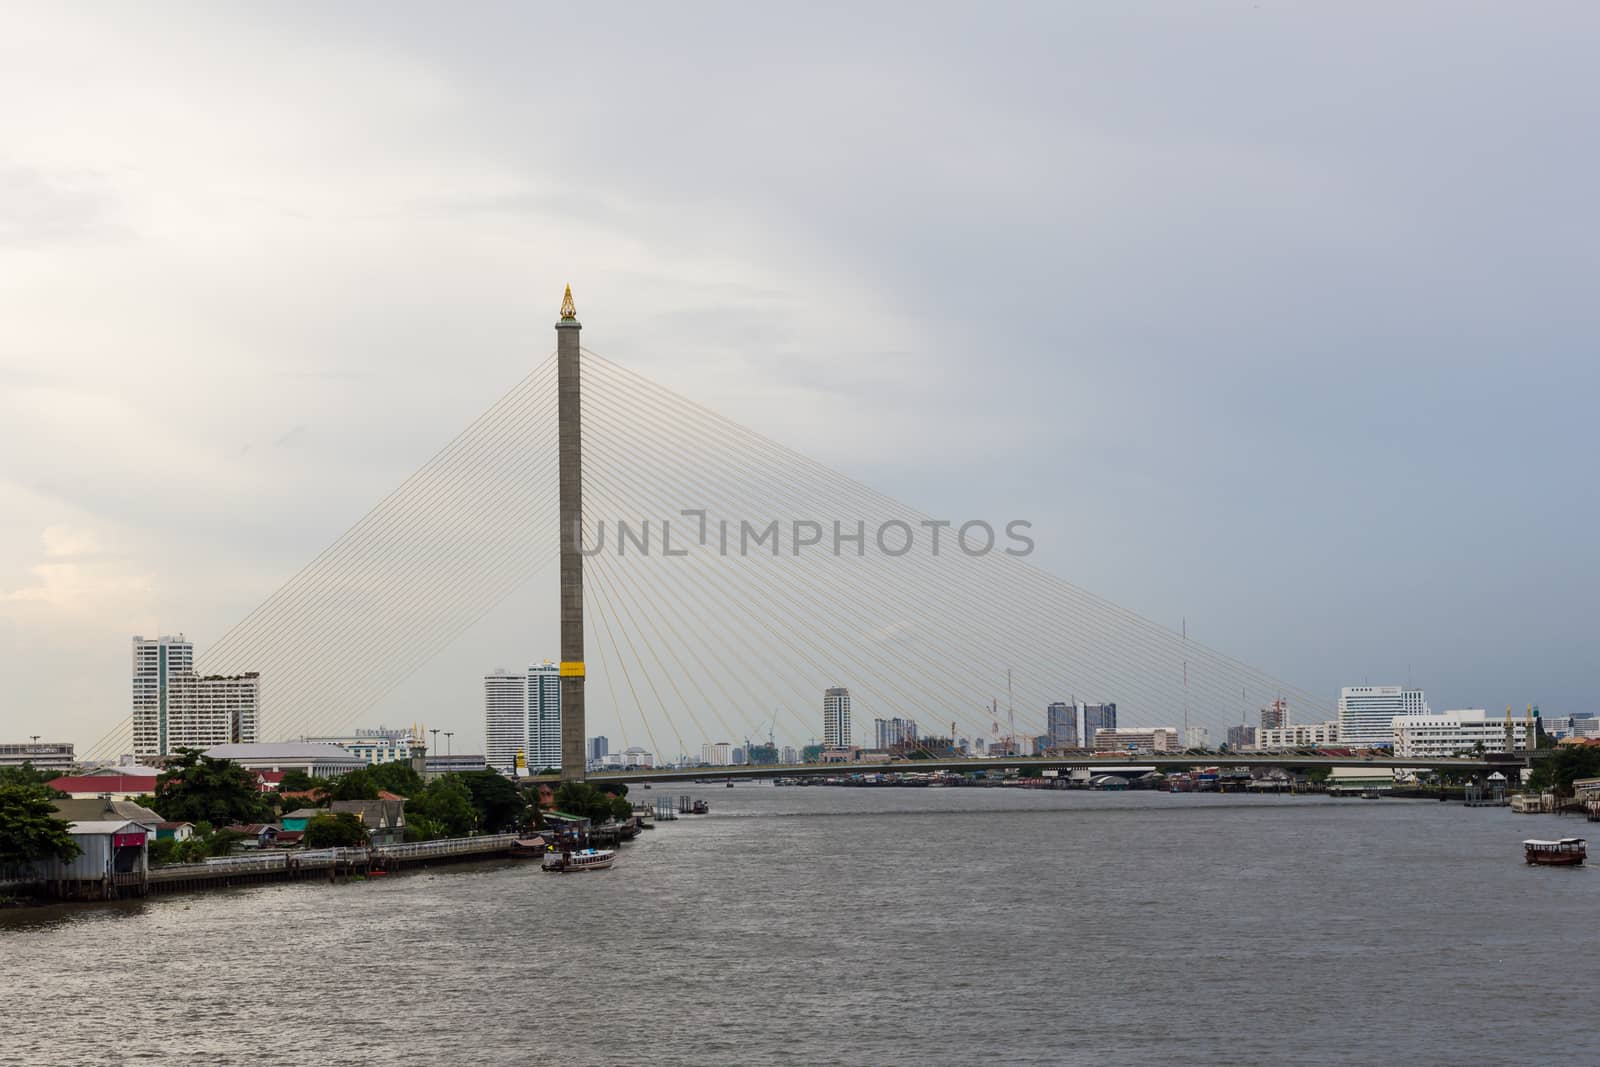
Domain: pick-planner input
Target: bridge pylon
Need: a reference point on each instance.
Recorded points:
(569, 446)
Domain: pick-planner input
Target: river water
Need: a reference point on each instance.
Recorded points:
(866, 926)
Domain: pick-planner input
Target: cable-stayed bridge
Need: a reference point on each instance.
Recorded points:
(721, 582)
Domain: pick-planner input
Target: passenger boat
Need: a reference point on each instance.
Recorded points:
(700, 807)
(583, 859)
(1567, 852)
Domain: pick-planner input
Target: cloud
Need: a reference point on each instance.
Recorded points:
(38, 207)
(65, 541)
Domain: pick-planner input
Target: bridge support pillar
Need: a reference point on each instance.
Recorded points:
(569, 436)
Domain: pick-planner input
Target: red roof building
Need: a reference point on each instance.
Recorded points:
(119, 786)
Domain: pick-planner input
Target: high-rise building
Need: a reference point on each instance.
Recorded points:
(1196, 737)
(737, 758)
(836, 732)
(789, 755)
(1366, 712)
(1097, 717)
(505, 720)
(175, 708)
(1061, 725)
(1275, 715)
(544, 716)
(155, 661)
(718, 754)
(894, 733)
(1241, 738)
(213, 709)
(599, 748)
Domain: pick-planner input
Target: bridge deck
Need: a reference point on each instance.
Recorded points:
(1142, 762)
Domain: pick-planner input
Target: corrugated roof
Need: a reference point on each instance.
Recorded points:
(295, 750)
(113, 826)
(104, 783)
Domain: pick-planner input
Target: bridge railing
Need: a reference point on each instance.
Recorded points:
(452, 846)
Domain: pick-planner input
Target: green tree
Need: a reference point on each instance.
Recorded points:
(29, 828)
(445, 804)
(198, 788)
(585, 801)
(353, 785)
(422, 828)
(163, 850)
(335, 830)
(28, 775)
(1566, 763)
(495, 800)
(398, 777)
(298, 782)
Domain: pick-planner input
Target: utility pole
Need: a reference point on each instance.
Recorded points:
(435, 734)
(569, 447)
(448, 734)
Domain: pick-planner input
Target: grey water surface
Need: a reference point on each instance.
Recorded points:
(826, 925)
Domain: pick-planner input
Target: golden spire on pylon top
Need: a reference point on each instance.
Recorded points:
(569, 312)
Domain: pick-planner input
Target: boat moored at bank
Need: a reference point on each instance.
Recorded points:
(583, 859)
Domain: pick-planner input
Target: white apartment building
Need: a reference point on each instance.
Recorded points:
(719, 754)
(505, 719)
(1366, 712)
(213, 709)
(1133, 739)
(1450, 733)
(1297, 735)
(836, 730)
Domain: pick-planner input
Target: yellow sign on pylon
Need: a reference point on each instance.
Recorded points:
(571, 669)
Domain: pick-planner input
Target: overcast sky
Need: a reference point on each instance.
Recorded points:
(1279, 317)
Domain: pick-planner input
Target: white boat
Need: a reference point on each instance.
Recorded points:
(583, 859)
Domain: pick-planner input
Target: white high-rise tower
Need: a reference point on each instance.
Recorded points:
(544, 717)
(156, 661)
(1366, 712)
(505, 718)
(836, 731)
